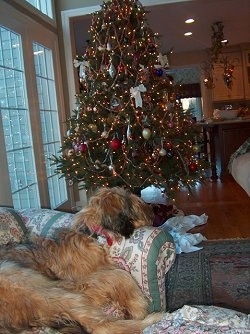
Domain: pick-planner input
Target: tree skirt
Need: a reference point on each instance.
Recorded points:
(218, 274)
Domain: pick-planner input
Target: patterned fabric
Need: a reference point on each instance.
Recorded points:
(12, 228)
(45, 222)
(201, 320)
(42, 330)
(147, 255)
(244, 148)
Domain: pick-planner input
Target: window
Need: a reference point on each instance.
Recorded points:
(45, 6)
(30, 97)
(15, 122)
(49, 119)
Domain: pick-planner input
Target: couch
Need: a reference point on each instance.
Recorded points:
(147, 254)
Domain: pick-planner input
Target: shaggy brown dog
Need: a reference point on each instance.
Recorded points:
(71, 256)
(29, 299)
(117, 210)
(86, 287)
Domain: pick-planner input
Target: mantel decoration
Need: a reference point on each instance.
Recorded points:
(215, 56)
(129, 128)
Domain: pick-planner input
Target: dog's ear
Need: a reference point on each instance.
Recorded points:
(120, 225)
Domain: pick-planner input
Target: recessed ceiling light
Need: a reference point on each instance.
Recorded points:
(189, 21)
(189, 33)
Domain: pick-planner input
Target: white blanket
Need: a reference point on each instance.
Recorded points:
(201, 320)
(240, 170)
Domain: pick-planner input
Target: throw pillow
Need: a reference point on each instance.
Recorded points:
(45, 222)
(12, 228)
(148, 254)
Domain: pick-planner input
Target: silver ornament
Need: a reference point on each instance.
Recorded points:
(162, 152)
(146, 133)
(112, 70)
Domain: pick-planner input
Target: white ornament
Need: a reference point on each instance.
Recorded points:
(108, 46)
(146, 133)
(163, 59)
(162, 152)
(82, 67)
(136, 94)
(104, 134)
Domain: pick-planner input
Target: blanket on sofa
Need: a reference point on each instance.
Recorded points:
(239, 166)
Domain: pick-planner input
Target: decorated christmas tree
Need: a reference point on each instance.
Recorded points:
(128, 128)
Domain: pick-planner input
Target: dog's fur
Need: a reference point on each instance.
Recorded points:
(117, 210)
(68, 283)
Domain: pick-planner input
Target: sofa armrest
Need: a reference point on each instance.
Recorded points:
(12, 227)
(148, 254)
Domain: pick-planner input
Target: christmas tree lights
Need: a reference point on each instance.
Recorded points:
(128, 127)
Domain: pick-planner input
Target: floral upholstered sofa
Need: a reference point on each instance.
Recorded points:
(147, 255)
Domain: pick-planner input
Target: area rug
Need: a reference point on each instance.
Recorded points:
(219, 275)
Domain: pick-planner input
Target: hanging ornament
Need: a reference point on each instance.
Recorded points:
(83, 66)
(146, 133)
(136, 94)
(101, 48)
(192, 167)
(69, 132)
(111, 167)
(105, 133)
(83, 148)
(108, 47)
(115, 144)
(196, 148)
(115, 103)
(112, 70)
(97, 164)
(170, 153)
(93, 127)
(129, 134)
(71, 152)
(163, 59)
(168, 145)
(162, 152)
(159, 72)
(76, 147)
(121, 68)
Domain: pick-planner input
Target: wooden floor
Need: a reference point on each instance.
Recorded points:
(226, 204)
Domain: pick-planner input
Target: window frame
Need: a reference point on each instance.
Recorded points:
(12, 18)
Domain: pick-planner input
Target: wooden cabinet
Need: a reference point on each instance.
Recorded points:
(224, 139)
(220, 91)
(246, 72)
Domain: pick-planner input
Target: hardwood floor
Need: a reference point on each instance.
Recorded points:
(226, 204)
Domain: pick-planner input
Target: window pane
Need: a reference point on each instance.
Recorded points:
(45, 6)
(16, 122)
(49, 120)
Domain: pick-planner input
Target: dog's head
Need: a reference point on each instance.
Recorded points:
(116, 210)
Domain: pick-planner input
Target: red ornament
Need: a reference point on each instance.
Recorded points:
(192, 167)
(154, 71)
(168, 145)
(83, 148)
(115, 144)
(121, 68)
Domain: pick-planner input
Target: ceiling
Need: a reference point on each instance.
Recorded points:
(167, 18)
(168, 21)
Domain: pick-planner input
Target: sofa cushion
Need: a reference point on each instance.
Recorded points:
(44, 222)
(12, 228)
(148, 254)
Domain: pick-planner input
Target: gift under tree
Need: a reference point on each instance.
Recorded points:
(128, 127)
